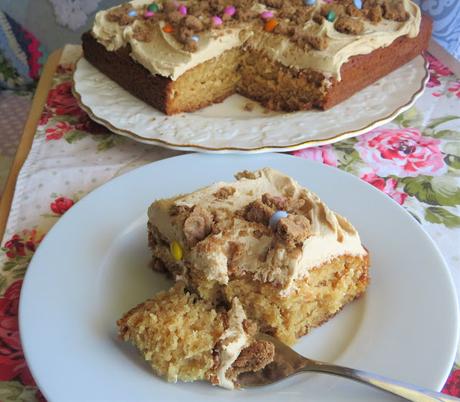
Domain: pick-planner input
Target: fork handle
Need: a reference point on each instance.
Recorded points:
(407, 391)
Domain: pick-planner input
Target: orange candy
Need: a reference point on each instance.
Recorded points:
(270, 25)
(168, 28)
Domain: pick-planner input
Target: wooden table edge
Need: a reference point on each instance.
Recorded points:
(27, 137)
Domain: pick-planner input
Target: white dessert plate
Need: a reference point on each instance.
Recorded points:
(228, 127)
(94, 265)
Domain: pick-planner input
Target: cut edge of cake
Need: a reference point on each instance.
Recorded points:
(183, 337)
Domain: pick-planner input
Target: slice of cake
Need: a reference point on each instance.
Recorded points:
(290, 55)
(185, 338)
(291, 261)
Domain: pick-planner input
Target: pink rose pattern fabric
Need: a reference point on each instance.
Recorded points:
(415, 160)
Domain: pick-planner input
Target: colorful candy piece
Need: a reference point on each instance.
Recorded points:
(168, 28)
(270, 25)
(176, 250)
(331, 16)
(216, 21)
(182, 9)
(275, 218)
(132, 13)
(266, 15)
(195, 38)
(358, 4)
(149, 14)
(153, 8)
(309, 2)
(230, 11)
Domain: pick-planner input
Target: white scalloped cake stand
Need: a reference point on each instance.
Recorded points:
(228, 127)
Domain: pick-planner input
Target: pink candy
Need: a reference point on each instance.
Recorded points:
(266, 15)
(216, 21)
(149, 14)
(230, 11)
(182, 9)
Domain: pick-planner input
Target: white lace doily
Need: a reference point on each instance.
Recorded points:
(73, 13)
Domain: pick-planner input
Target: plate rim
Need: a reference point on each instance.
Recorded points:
(61, 222)
(253, 150)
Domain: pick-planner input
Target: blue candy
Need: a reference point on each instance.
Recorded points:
(195, 38)
(309, 2)
(275, 218)
(358, 3)
(132, 13)
(331, 16)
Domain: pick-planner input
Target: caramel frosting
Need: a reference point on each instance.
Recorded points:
(232, 342)
(162, 54)
(224, 230)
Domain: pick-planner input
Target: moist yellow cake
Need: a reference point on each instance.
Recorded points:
(185, 338)
(264, 239)
(290, 55)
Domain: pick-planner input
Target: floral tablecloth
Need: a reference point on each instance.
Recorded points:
(415, 160)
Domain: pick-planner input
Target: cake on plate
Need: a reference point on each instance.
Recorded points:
(180, 56)
(185, 338)
(264, 239)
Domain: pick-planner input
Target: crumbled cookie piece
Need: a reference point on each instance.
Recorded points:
(273, 3)
(395, 12)
(245, 14)
(174, 17)
(352, 11)
(349, 25)
(224, 192)
(193, 23)
(249, 106)
(246, 174)
(374, 14)
(142, 33)
(197, 226)
(120, 15)
(293, 229)
(169, 5)
(275, 202)
(185, 34)
(257, 211)
(317, 42)
(282, 28)
(252, 358)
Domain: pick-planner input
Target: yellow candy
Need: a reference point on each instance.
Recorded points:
(176, 250)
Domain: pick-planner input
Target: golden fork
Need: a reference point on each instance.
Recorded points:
(287, 362)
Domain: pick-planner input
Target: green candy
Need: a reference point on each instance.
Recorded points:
(331, 16)
(153, 7)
